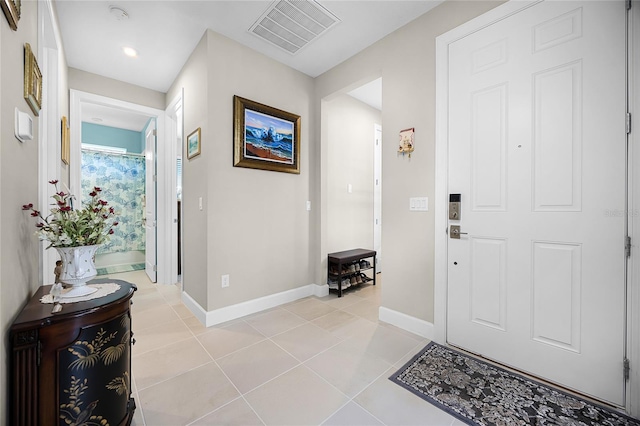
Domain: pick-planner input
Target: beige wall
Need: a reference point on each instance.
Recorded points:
(406, 61)
(104, 86)
(19, 247)
(350, 132)
(193, 81)
(256, 227)
(18, 186)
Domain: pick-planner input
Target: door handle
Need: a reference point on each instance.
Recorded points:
(455, 232)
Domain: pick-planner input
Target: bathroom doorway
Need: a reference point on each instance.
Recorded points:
(121, 168)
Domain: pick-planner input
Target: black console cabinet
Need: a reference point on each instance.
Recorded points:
(73, 367)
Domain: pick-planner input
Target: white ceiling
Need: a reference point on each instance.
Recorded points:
(113, 117)
(165, 32)
(370, 93)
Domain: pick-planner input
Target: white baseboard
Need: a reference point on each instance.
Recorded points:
(228, 313)
(194, 307)
(406, 322)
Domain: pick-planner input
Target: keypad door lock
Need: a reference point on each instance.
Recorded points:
(454, 206)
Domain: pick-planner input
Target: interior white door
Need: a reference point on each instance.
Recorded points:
(150, 209)
(537, 150)
(377, 195)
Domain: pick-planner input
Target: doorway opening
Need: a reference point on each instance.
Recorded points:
(113, 158)
(353, 138)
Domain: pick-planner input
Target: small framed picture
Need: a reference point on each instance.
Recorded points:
(193, 144)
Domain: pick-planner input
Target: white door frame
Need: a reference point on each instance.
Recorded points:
(633, 280)
(174, 140)
(49, 141)
(77, 99)
(150, 220)
(442, 162)
(377, 195)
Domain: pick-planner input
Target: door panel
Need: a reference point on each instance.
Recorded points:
(488, 156)
(488, 282)
(556, 288)
(557, 139)
(537, 150)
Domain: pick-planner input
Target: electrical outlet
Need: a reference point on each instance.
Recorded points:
(225, 281)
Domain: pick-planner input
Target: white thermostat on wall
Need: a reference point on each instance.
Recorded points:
(24, 126)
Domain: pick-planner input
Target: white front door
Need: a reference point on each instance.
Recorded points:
(150, 202)
(537, 151)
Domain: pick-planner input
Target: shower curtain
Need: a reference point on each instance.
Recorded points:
(122, 180)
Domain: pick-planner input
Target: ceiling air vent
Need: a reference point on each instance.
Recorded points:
(292, 24)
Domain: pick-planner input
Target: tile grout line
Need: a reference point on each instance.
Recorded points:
(173, 377)
(161, 347)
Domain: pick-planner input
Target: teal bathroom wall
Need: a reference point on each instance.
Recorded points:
(97, 134)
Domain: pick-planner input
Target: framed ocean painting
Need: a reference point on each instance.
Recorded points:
(264, 137)
(193, 144)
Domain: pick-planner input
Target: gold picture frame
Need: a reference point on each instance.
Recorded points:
(65, 153)
(12, 10)
(193, 144)
(265, 138)
(32, 80)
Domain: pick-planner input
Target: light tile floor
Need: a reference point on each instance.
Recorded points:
(314, 361)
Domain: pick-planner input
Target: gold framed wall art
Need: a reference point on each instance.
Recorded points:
(264, 137)
(12, 9)
(32, 80)
(65, 141)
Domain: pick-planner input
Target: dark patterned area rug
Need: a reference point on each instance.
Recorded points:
(479, 393)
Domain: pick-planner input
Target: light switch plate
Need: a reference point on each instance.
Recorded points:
(419, 204)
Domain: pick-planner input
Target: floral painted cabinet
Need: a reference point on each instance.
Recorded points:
(73, 367)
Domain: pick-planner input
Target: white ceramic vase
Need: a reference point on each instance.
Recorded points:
(78, 267)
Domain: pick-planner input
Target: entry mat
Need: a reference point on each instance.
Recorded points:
(479, 393)
(120, 268)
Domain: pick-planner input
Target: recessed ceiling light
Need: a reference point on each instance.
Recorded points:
(118, 13)
(130, 51)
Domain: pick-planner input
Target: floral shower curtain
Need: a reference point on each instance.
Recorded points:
(122, 180)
